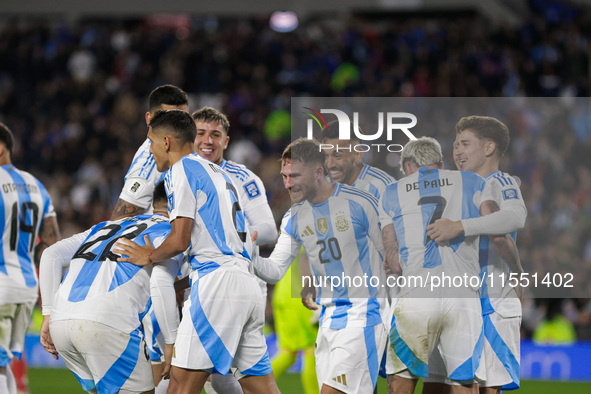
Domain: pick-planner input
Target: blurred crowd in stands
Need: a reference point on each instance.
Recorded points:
(74, 94)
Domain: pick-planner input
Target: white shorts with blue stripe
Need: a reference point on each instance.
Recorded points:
(501, 352)
(439, 339)
(103, 358)
(222, 325)
(349, 359)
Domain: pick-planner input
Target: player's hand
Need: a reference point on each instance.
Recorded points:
(254, 236)
(444, 230)
(392, 265)
(138, 255)
(308, 296)
(45, 338)
(180, 285)
(168, 351)
(310, 303)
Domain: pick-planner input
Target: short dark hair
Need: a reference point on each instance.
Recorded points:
(331, 131)
(159, 193)
(6, 137)
(178, 122)
(169, 95)
(209, 114)
(304, 150)
(486, 128)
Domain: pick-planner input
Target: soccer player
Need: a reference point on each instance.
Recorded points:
(337, 225)
(93, 317)
(211, 141)
(480, 143)
(142, 176)
(295, 325)
(222, 321)
(344, 165)
(441, 331)
(28, 213)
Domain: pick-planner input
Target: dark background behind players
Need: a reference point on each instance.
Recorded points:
(73, 92)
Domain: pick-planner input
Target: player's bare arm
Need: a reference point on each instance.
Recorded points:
(445, 229)
(175, 243)
(124, 209)
(506, 248)
(49, 233)
(45, 338)
(391, 258)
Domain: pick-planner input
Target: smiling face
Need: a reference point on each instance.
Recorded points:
(300, 180)
(159, 143)
(343, 166)
(470, 153)
(211, 141)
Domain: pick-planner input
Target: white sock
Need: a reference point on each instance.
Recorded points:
(208, 388)
(11, 382)
(162, 386)
(3, 384)
(225, 384)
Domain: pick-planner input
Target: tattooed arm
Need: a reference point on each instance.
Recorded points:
(125, 209)
(49, 233)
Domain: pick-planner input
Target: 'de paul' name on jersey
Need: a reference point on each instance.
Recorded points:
(429, 184)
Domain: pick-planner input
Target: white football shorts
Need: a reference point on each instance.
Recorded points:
(222, 325)
(501, 352)
(349, 359)
(103, 358)
(14, 320)
(436, 338)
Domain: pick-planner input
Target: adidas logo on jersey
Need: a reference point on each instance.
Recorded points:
(307, 232)
(342, 379)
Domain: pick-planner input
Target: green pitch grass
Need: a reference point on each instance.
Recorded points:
(51, 381)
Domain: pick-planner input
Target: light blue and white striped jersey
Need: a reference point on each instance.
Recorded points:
(253, 198)
(420, 199)
(201, 190)
(141, 178)
(25, 204)
(338, 236)
(504, 300)
(373, 180)
(99, 288)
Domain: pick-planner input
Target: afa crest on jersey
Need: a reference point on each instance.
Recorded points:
(171, 201)
(252, 190)
(322, 225)
(341, 222)
(509, 194)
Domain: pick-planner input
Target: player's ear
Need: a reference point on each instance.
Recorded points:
(490, 148)
(148, 118)
(320, 172)
(358, 156)
(226, 142)
(407, 168)
(167, 142)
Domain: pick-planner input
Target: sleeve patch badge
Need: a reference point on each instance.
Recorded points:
(136, 188)
(170, 202)
(509, 194)
(252, 190)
